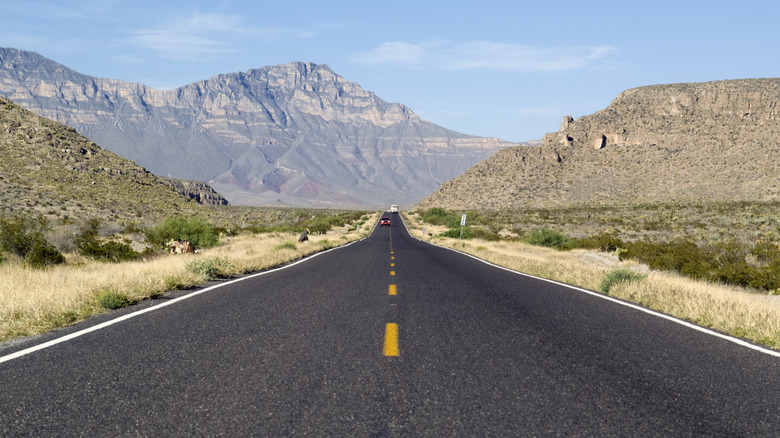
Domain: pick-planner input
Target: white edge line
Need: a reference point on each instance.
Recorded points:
(615, 300)
(103, 325)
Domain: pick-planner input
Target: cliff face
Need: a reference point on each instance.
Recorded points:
(737, 111)
(293, 134)
(715, 141)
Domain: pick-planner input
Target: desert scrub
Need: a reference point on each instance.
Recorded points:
(109, 299)
(90, 245)
(25, 238)
(549, 238)
(755, 266)
(286, 245)
(211, 267)
(620, 275)
(196, 229)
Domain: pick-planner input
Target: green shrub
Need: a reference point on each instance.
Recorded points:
(549, 238)
(682, 256)
(620, 275)
(604, 242)
(468, 233)
(110, 251)
(211, 267)
(90, 245)
(440, 216)
(42, 255)
(287, 245)
(196, 229)
(174, 283)
(111, 300)
(489, 235)
(25, 238)
(724, 262)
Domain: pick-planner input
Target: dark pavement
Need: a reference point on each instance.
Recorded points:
(302, 352)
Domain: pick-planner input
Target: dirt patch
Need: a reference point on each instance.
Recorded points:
(607, 261)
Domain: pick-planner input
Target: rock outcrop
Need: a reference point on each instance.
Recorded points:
(296, 134)
(714, 141)
(198, 191)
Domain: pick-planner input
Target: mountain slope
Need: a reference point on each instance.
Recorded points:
(48, 168)
(295, 133)
(714, 141)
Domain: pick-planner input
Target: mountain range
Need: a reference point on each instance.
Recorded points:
(673, 143)
(293, 134)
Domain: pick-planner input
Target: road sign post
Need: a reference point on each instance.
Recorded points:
(462, 223)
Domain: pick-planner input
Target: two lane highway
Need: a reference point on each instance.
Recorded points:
(392, 337)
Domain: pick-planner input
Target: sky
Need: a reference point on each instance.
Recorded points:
(510, 69)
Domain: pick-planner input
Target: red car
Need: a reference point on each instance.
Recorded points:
(384, 221)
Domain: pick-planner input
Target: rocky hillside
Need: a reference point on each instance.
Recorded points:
(678, 143)
(294, 134)
(48, 168)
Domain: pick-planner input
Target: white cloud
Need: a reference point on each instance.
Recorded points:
(484, 55)
(201, 35)
(399, 53)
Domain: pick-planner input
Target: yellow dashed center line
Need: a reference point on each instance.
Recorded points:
(391, 330)
(391, 340)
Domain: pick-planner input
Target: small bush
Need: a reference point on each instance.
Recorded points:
(604, 242)
(468, 233)
(110, 251)
(90, 245)
(489, 235)
(440, 216)
(113, 300)
(287, 245)
(549, 238)
(25, 238)
(197, 230)
(174, 283)
(42, 255)
(620, 275)
(211, 267)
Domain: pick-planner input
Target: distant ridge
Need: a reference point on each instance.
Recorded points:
(294, 134)
(677, 143)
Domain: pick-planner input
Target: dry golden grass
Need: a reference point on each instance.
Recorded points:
(35, 301)
(738, 312)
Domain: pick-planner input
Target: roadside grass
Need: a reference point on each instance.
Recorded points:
(34, 301)
(739, 312)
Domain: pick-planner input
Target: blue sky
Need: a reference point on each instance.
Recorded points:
(507, 69)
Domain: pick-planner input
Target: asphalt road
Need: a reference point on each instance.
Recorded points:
(389, 337)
